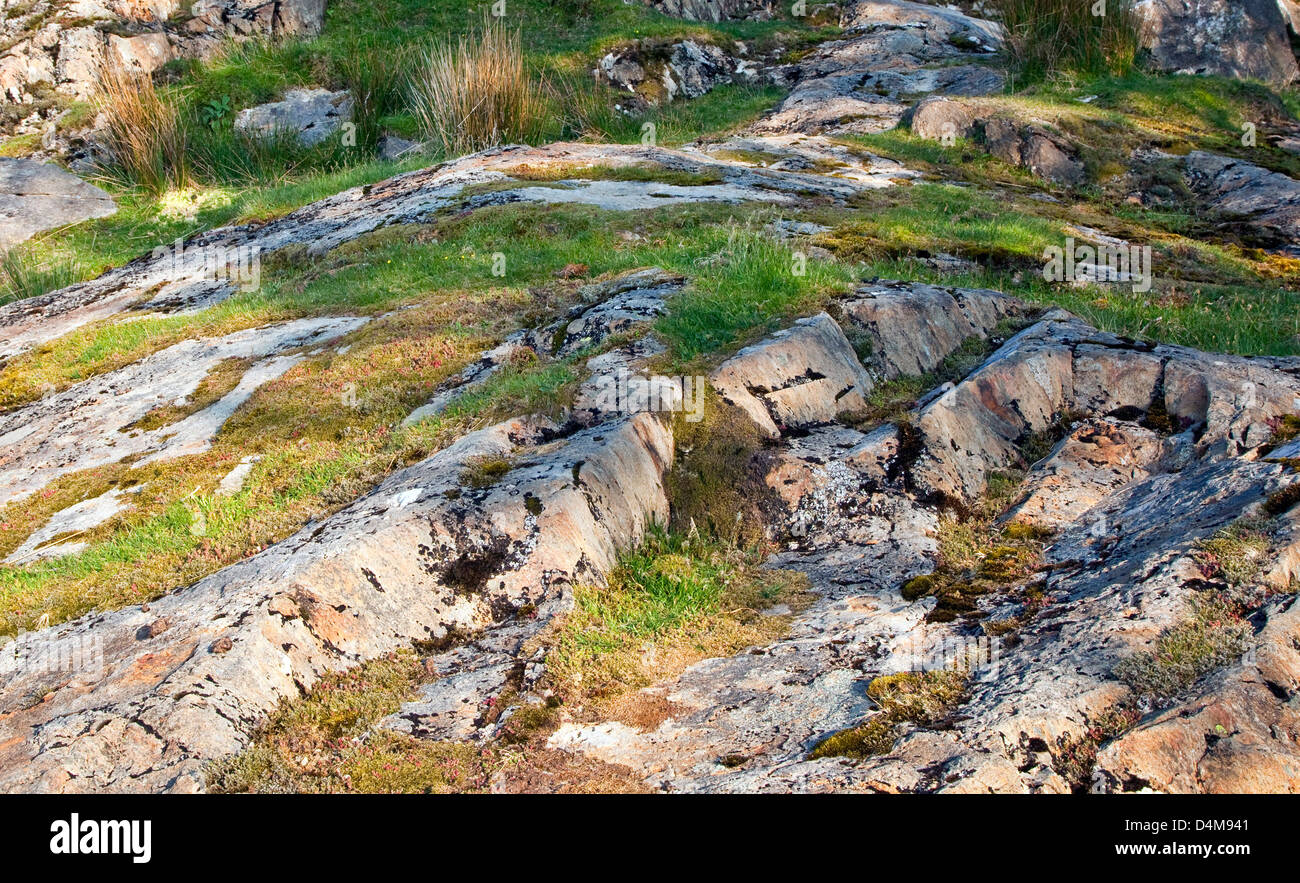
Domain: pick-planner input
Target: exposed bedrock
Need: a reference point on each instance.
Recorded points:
(184, 679)
(168, 283)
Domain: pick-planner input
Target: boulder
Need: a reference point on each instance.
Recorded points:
(941, 119)
(1266, 203)
(142, 54)
(299, 17)
(798, 378)
(313, 115)
(1046, 154)
(1230, 38)
(37, 196)
(652, 72)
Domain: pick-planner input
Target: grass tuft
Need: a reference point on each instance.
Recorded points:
(478, 92)
(144, 133)
(1048, 37)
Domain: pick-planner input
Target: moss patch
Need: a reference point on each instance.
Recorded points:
(923, 698)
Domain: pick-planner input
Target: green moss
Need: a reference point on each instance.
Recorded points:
(1284, 500)
(717, 482)
(871, 739)
(1235, 554)
(926, 699)
(483, 472)
(919, 587)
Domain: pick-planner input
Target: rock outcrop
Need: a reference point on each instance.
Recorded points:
(418, 557)
(715, 10)
(1266, 203)
(164, 284)
(893, 52)
(651, 73)
(1026, 143)
(43, 50)
(91, 423)
(35, 197)
(1231, 38)
(1119, 573)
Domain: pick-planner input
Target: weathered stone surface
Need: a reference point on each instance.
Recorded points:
(1097, 458)
(1268, 203)
(80, 57)
(652, 73)
(770, 705)
(35, 197)
(913, 327)
(1231, 38)
(1239, 735)
(798, 378)
(1027, 143)
(715, 10)
(941, 119)
(405, 562)
(89, 424)
(894, 51)
(57, 536)
(1060, 366)
(1120, 573)
(312, 115)
(143, 53)
(68, 49)
(413, 198)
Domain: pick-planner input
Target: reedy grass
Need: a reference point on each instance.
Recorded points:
(478, 92)
(1049, 37)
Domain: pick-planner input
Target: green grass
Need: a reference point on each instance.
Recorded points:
(1211, 636)
(673, 600)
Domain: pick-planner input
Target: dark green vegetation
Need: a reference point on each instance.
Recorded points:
(921, 698)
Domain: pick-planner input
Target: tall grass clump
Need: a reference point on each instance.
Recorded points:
(478, 92)
(146, 137)
(1049, 37)
(25, 273)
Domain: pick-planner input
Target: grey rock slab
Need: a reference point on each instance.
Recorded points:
(36, 196)
(65, 524)
(1267, 202)
(715, 10)
(409, 561)
(311, 115)
(1229, 38)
